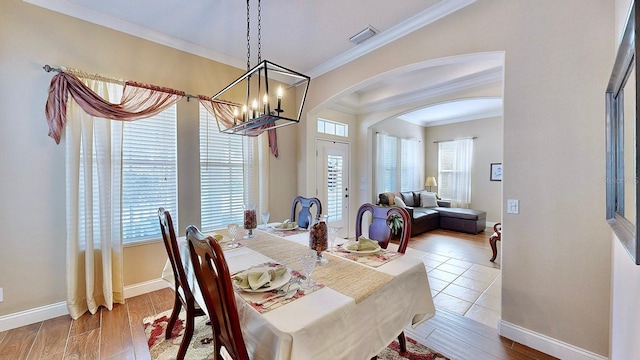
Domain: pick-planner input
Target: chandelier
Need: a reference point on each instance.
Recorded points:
(267, 96)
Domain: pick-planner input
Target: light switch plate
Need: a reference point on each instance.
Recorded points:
(1, 295)
(513, 206)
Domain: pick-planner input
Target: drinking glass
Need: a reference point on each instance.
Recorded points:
(265, 218)
(232, 229)
(333, 233)
(308, 260)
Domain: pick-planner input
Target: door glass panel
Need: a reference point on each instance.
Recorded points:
(334, 187)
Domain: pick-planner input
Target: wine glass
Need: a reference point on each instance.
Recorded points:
(308, 260)
(233, 229)
(333, 233)
(265, 218)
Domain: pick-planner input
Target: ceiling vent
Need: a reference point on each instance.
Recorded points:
(363, 35)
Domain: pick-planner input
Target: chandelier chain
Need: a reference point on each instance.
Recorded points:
(259, 35)
(248, 39)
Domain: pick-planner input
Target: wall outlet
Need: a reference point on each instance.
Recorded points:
(513, 206)
(1, 295)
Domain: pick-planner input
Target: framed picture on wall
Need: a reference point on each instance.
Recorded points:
(496, 172)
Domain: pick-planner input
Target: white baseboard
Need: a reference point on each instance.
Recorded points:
(30, 316)
(545, 343)
(145, 287)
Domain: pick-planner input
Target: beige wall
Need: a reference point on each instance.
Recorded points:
(625, 287)
(556, 264)
(558, 55)
(32, 175)
(486, 195)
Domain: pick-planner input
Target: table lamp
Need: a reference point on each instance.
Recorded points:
(431, 181)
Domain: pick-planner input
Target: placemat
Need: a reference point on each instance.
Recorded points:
(269, 300)
(344, 276)
(374, 260)
(284, 233)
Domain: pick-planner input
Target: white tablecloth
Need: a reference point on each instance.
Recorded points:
(327, 324)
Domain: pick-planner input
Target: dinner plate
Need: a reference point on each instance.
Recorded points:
(276, 283)
(359, 252)
(277, 227)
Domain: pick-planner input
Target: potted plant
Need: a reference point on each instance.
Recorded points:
(395, 224)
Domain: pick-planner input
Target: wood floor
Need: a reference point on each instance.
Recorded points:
(118, 334)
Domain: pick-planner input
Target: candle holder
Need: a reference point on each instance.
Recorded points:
(250, 221)
(318, 239)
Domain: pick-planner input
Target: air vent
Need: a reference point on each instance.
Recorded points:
(363, 35)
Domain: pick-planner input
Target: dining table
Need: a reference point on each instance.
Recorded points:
(357, 304)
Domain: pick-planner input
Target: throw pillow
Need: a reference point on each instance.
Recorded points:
(399, 202)
(408, 199)
(428, 199)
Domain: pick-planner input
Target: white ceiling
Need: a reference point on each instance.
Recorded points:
(308, 36)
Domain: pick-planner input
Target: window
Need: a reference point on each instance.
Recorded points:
(149, 180)
(454, 171)
(333, 128)
(222, 169)
(149, 174)
(392, 151)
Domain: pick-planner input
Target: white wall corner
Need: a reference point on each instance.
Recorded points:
(545, 343)
(42, 313)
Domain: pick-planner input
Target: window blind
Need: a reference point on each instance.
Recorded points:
(149, 174)
(221, 175)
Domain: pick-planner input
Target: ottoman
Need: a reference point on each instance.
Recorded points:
(464, 220)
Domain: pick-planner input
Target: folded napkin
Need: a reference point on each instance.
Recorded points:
(286, 224)
(259, 278)
(363, 244)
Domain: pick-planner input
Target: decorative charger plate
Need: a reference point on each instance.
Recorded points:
(276, 283)
(280, 228)
(359, 252)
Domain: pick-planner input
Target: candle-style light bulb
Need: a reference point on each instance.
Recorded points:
(235, 114)
(254, 108)
(279, 94)
(265, 101)
(244, 112)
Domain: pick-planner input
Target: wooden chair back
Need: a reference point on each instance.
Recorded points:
(305, 210)
(379, 230)
(214, 280)
(183, 295)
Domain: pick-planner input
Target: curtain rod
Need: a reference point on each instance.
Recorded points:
(464, 138)
(49, 68)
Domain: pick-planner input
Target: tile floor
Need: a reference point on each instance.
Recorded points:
(465, 288)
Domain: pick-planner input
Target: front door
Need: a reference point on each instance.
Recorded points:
(332, 183)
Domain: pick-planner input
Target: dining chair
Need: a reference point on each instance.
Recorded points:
(305, 210)
(380, 231)
(183, 295)
(214, 280)
(496, 236)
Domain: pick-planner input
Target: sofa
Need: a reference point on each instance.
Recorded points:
(427, 213)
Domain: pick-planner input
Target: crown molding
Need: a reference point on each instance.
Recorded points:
(486, 77)
(415, 22)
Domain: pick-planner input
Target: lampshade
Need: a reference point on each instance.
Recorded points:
(266, 97)
(431, 181)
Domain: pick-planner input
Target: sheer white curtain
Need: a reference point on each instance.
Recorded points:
(454, 171)
(255, 174)
(386, 162)
(94, 230)
(409, 175)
